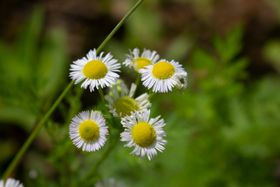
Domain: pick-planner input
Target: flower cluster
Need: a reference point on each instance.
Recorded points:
(88, 129)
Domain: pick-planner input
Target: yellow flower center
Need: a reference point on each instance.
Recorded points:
(143, 134)
(95, 69)
(163, 70)
(141, 62)
(125, 105)
(89, 130)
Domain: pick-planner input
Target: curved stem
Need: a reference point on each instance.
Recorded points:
(39, 126)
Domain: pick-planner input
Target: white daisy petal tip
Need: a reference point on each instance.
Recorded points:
(121, 100)
(163, 76)
(88, 131)
(145, 135)
(138, 60)
(10, 183)
(95, 71)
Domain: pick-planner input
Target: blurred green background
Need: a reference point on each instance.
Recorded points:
(223, 130)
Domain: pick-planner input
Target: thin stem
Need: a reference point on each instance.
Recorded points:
(119, 25)
(39, 126)
(138, 79)
(90, 176)
(151, 95)
(101, 94)
(34, 133)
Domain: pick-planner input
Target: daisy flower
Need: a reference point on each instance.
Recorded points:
(88, 130)
(121, 101)
(10, 183)
(138, 61)
(163, 76)
(95, 71)
(144, 134)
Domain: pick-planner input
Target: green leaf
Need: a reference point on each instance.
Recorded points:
(203, 60)
(229, 46)
(28, 40)
(31, 74)
(52, 64)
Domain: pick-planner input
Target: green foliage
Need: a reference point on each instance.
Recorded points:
(146, 27)
(271, 52)
(224, 68)
(32, 72)
(221, 131)
(255, 120)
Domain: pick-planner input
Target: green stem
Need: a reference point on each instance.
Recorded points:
(34, 133)
(119, 25)
(138, 79)
(101, 94)
(151, 95)
(37, 129)
(90, 176)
